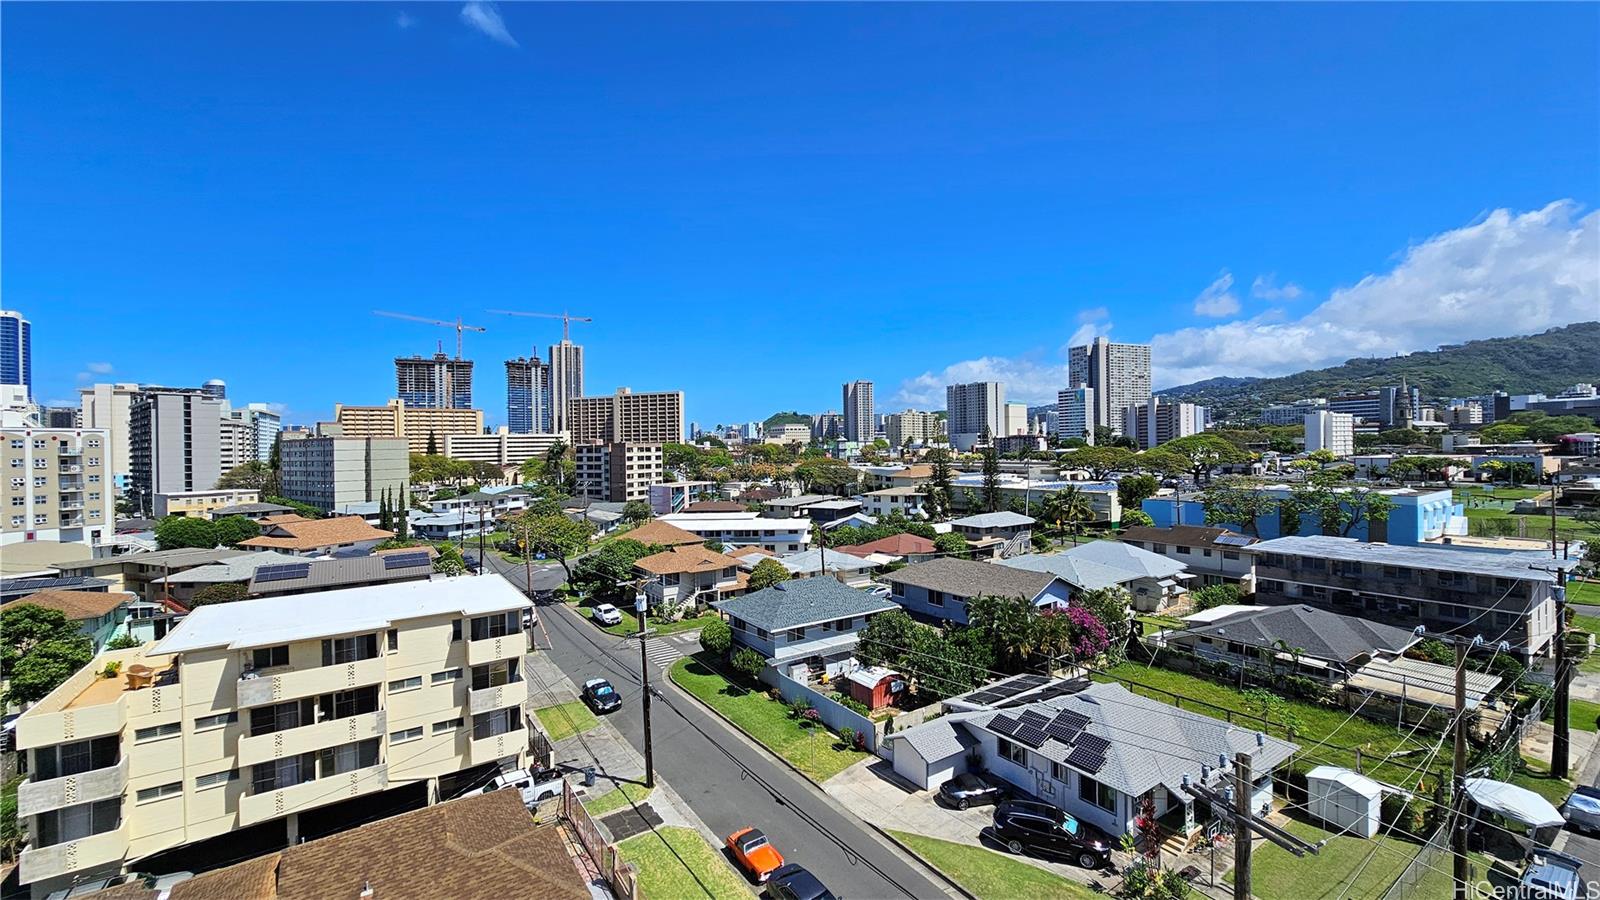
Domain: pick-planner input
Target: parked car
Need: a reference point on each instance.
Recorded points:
(793, 882)
(535, 786)
(970, 789)
(1582, 810)
(880, 590)
(606, 614)
(1043, 830)
(601, 696)
(754, 853)
(1551, 876)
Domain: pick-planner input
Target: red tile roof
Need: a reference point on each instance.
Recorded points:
(894, 545)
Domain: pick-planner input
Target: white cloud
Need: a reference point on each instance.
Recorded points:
(281, 409)
(1092, 323)
(1265, 287)
(1218, 299)
(405, 20)
(1506, 273)
(90, 370)
(485, 17)
(1027, 380)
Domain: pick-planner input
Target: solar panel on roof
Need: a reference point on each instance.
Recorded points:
(1004, 724)
(1234, 540)
(1034, 718)
(1061, 689)
(1031, 735)
(985, 697)
(287, 572)
(1093, 743)
(1086, 760)
(405, 560)
(1067, 726)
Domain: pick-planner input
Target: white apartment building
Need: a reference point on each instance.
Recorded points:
(910, 426)
(259, 710)
(1156, 421)
(974, 409)
(1464, 414)
(174, 443)
(1292, 413)
(1335, 432)
(503, 448)
(109, 407)
(1075, 413)
(746, 529)
(910, 502)
(618, 471)
(57, 487)
(236, 444)
(858, 414)
(566, 382)
(1119, 374)
(1016, 421)
(330, 472)
(790, 433)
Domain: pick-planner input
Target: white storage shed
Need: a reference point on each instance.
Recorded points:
(1348, 802)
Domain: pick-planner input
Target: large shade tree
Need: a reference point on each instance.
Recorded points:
(39, 649)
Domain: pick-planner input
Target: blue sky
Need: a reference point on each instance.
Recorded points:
(759, 202)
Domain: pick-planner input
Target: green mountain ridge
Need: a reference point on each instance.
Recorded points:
(1546, 362)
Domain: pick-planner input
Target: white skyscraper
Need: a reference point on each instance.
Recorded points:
(1156, 421)
(973, 409)
(566, 381)
(859, 424)
(1074, 412)
(1331, 431)
(1118, 373)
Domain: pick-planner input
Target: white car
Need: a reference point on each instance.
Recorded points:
(606, 614)
(879, 590)
(534, 786)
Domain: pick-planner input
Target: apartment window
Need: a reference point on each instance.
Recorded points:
(349, 649)
(348, 758)
(1058, 771)
(495, 675)
(1313, 564)
(448, 725)
(409, 734)
(38, 481)
(38, 443)
(215, 779)
(455, 630)
(1011, 751)
(18, 521)
(19, 500)
(405, 684)
(1182, 550)
(796, 634)
(501, 721)
(70, 759)
(205, 723)
(94, 479)
(282, 716)
(1207, 552)
(761, 633)
(1230, 554)
(156, 732)
(394, 639)
(446, 676)
(1097, 793)
(1452, 611)
(17, 443)
(160, 791)
(497, 625)
(1158, 548)
(283, 773)
(898, 589)
(351, 703)
(1272, 587)
(58, 826)
(16, 463)
(269, 657)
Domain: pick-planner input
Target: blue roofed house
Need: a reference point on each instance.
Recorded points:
(1418, 516)
(939, 590)
(804, 628)
(1154, 582)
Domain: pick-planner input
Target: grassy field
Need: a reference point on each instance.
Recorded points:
(1587, 593)
(678, 863)
(625, 794)
(1277, 874)
(1317, 724)
(988, 875)
(630, 623)
(814, 751)
(566, 719)
(1534, 526)
(1535, 776)
(1499, 493)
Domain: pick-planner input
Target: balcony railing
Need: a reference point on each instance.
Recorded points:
(69, 450)
(493, 698)
(73, 504)
(69, 470)
(278, 685)
(500, 746)
(70, 484)
(93, 852)
(34, 797)
(488, 650)
(306, 738)
(312, 794)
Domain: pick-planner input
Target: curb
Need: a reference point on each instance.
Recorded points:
(929, 867)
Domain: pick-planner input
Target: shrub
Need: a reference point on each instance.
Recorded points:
(123, 641)
(111, 669)
(847, 736)
(716, 638)
(748, 663)
(798, 707)
(852, 704)
(811, 716)
(225, 592)
(1213, 596)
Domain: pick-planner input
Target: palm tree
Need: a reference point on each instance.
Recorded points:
(1068, 507)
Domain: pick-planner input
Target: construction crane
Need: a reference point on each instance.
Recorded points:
(457, 325)
(566, 320)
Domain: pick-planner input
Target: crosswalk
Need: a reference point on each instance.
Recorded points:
(665, 650)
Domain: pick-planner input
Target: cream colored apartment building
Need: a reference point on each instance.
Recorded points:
(396, 419)
(259, 710)
(653, 417)
(199, 504)
(57, 484)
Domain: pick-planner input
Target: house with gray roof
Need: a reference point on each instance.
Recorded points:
(1096, 752)
(1302, 639)
(252, 511)
(939, 590)
(1153, 582)
(803, 627)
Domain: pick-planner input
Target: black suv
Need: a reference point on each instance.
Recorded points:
(1042, 830)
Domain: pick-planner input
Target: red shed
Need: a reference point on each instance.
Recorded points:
(875, 686)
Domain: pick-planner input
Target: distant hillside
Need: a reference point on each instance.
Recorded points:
(786, 418)
(1532, 363)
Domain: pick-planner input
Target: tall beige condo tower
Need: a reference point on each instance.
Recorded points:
(858, 419)
(1118, 373)
(566, 382)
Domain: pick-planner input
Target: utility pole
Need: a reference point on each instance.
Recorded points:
(481, 562)
(1561, 743)
(641, 606)
(1458, 829)
(1246, 824)
(1242, 837)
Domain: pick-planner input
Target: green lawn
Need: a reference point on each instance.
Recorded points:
(688, 624)
(1535, 776)
(1586, 593)
(1499, 493)
(987, 874)
(1317, 723)
(1277, 874)
(677, 863)
(625, 794)
(566, 719)
(1582, 715)
(814, 751)
(630, 623)
(1534, 526)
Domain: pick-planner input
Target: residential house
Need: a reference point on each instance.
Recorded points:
(806, 628)
(254, 712)
(656, 532)
(344, 535)
(910, 502)
(99, 614)
(17, 588)
(750, 555)
(1503, 595)
(1418, 516)
(797, 507)
(1154, 583)
(137, 572)
(940, 589)
(1094, 750)
(1212, 555)
(491, 504)
(714, 507)
(253, 511)
(689, 574)
(848, 568)
(879, 477)
(904, 546)
(182, 586)
(453, 526)
(988, 534)
(736, 529)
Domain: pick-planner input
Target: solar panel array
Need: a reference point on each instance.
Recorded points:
(1234, 540)
(1007, 689)
(1067, 726)
(286, 572)
(1004, 724)
(405, 560)
(1089, 753)
(1032, 735)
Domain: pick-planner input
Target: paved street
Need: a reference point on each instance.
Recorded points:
(726, 780)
